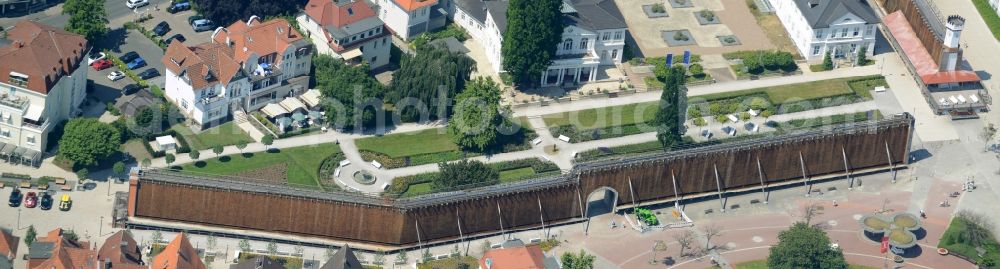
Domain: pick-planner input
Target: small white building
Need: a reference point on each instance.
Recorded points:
(246, 66)
(43, 81)
(347, 29)
(165, 143)
(410, 18)
(594, 36)
(840, 27)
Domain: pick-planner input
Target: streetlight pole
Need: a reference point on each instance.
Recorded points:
(19, 218)
(100, 227)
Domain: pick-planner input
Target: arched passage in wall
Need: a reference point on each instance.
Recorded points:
(601, 201)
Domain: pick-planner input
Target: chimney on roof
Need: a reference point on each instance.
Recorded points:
(813, 3)
(290, 30)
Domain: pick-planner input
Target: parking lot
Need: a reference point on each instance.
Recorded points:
(89, 215)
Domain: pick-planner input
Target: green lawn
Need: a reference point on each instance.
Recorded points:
(511, 175)
(302, 162)
(604, 116)
(989, 15)
(408, 144)
(800, 91)
(955, 239)
(135, 148)
(450, 263)
(762, 264)
(222, 135)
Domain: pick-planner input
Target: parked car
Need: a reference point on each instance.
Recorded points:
(149, 73)
(202, 25)
(31, 200)
(130, 89)
(95, 56)
(178, 37)
(136, 63)
(15, 198)
(129, 56)
(65, 203)
(178, 7)
(161, 28)
(136, 3)
(101, 64)
(46, 201)
(116, 75)
(194, 18)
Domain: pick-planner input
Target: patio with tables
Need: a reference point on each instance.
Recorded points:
(294, 113)
(20, 156)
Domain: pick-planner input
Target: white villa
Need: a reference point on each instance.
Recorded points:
(840, 27)
(43, 81)
(246, 66)
(410, 18)
(594, 36)
(348, 30)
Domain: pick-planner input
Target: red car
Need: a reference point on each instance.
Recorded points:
(101, 64)
(31, 200)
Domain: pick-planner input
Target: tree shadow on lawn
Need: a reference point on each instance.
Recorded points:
(200, 164)
(273, 150)
(247, 155)
(225, 159)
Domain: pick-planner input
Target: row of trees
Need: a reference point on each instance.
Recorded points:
(534, 27)
(225, 12)
(87, 18)
(670, 117)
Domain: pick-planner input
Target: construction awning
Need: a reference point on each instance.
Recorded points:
(273, 110)
(351, 54)
(34, 113)
(311, 97)
(292, 104)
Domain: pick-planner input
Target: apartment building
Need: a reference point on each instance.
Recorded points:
(840, 27)
(410, 18)
(245, 67)
(347, 29)
(42, 83)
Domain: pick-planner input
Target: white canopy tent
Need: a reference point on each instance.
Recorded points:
(273, 110)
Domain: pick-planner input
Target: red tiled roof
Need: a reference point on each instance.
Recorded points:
(122, 251)
(43, 53)
(8, 243)
(261, 38)
(529, 257)
(67, 254)
(411, 5)
(335, 12)
(179, 254)
(914, 50)
(199, 61)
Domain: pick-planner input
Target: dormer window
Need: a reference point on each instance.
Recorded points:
(18, 79)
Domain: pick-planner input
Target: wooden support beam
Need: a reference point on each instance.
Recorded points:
(541, 216)
(458, 217)
(718, 185)
(500, 214)
(760, 174)
(677, 196)
(805, 177)
(888, 155)
(847, 169)
(630, 191)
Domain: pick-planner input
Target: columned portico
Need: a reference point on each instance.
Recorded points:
(561, 75)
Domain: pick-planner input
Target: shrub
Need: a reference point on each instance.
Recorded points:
(647, 216)
(697, 70)
(680, 36)
(721, 118)
(16, 176)
(659, 8)
(708, 15)
(699, 122)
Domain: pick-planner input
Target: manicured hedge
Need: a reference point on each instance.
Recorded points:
(989, 15)
(15, 176)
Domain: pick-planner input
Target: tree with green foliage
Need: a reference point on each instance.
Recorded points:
(827, 61)
(697, 70)
(70, 235)
(379, 258)
(170, 158)
(480, 121)
(863, 55)
(534, 32)
(30, 235)
(581, 260)
(351, 96)
(87, 18)
(463, 173)
(217, 150)
(272, 249)
(146, 162)
(144, 119)
(242, 144)
(401, 257)
(425, 82)
(244, 245)
(85, 141)
(804, 246)
(194, 154)
(82, 174)
(157, 237)
(118, 168)
(267, 140)
(225, 12)
(670, 118)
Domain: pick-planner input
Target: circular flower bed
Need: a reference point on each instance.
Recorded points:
(942, 251)
(364, 177)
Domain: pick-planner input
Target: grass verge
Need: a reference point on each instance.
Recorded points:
(510, 171)
(303, 163)
(774, 30)
(428, 146)
(222, 135)
(762, 264)
(989, 15)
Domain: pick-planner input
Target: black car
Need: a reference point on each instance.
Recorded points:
(128, 57)
(149, 73)
(161, 28)
(46, 201)
(178, 37)
(130, 89)
(15, 198)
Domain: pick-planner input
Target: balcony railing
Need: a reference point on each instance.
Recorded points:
(211, 100)
(13, 101)
(262, 72)
(40, 127)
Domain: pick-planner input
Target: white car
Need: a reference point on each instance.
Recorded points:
(94, 56)
(116, 75)
(136, 3)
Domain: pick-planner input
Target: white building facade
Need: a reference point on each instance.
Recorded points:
(247, 66)
(43, 81)
(840, 27)
(594, 36)
(410, 18)
(348, 30)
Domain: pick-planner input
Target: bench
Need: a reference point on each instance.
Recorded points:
(60, 181)
(43, 187)
(25, 184)
(66, 188)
